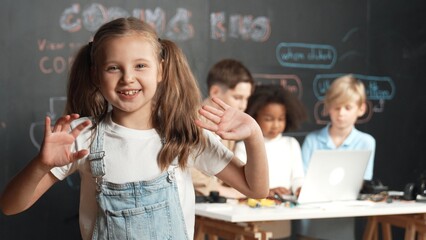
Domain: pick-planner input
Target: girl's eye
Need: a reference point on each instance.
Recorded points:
(112, 68)
(140, 66)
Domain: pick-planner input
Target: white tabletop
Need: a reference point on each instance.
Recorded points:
(233, 212)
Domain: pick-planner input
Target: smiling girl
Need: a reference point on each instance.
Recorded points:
(139, 96)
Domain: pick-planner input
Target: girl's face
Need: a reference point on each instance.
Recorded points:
(271, 119)
(129, 73)
(344, 116)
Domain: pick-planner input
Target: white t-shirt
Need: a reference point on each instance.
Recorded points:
(284, 160)
(131, 155)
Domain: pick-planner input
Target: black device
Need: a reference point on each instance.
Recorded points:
(421, 187)
(373, 187)
(410, 191)
(416, 191)
(213, 197)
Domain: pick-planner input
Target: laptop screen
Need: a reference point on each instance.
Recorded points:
(334, 175)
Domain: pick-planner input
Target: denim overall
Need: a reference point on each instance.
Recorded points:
(136, 210)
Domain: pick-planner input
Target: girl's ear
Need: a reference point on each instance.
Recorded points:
(362, 109)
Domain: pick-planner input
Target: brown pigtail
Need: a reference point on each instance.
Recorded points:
(175, 111)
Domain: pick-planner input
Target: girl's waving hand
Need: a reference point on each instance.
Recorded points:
(227, 122)
(56, 147)
(35, 179)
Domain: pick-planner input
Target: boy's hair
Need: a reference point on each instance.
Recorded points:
(173, 122)
(267, 94)
(343, 90)
(227, 73)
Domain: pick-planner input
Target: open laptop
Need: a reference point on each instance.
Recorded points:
(334, 175)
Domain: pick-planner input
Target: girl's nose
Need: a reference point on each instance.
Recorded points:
(128, 76)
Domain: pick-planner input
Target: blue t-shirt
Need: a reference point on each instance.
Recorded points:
(321, 140)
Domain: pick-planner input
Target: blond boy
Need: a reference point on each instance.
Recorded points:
(345, 102)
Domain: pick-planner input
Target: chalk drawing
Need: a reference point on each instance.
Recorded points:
(245, 27)
(349, 54)
(349, 34)
(179, 27)
(37, 128)
(156, 18)
(376, 87)
(306, 55)
(290, 82)
(37, 132)
(217, 26)
(91, 17)
(94, 16)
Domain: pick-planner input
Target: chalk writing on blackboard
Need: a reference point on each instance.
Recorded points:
(349, 34)
(245, 27)
(288, 81)
(185, 31)
(56, 104)
(378, 90)
(92, 16)
(376, 87)
(350, 53)
(306, 55)
(56, 64)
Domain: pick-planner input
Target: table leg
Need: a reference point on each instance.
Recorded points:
(410, 232)
(386, 231)
(227, 230)
(199, 230)
(421, 226)
(370, 232)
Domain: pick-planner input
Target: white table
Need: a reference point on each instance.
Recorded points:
(221, 216)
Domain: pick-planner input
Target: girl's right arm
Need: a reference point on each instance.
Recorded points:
(35, 179)
(251, 179)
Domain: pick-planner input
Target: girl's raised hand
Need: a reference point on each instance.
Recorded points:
(56, 147)
(227, 122)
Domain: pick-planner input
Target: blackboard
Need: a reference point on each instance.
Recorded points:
(299, 44)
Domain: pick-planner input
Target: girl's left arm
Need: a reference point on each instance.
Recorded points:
(251, 179)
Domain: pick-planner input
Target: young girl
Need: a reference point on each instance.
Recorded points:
(134, 160)
(277, 111)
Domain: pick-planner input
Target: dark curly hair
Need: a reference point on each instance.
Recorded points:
(266, 94)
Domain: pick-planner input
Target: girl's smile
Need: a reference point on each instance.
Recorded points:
(129, 92)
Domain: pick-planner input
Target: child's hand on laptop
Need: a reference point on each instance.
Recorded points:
(280, 191)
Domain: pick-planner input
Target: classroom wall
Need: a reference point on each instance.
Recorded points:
(299, 44)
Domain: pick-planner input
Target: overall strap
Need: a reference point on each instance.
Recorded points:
(97, 153)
